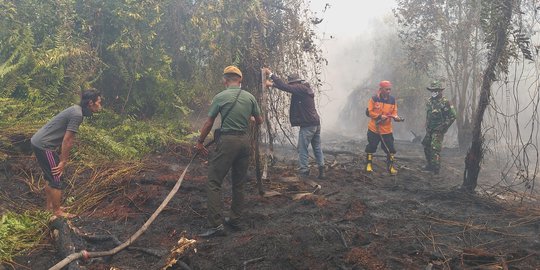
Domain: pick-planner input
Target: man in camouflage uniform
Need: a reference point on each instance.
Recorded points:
(440, 115)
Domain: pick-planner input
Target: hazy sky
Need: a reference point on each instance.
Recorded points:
(346, 19)
(347, 25)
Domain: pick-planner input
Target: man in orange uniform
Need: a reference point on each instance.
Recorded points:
(382, 108)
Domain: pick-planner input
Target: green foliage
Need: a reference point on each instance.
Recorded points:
(42, 57)
(138, 79)
(105, 136)
(22, 117)
(21, 232)
(15, 49)
(154, 61)
(442, 39)
(159, 61)
(493, 20)
(109, 136)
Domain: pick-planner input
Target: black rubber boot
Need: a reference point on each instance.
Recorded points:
(233, 225)
(303, 175)
(436, 169)
(214, 231)
(322, 175)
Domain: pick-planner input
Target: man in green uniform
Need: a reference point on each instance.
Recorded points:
(440, 115)
(232, 149)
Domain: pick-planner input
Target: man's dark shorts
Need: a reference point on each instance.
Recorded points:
(47, 160)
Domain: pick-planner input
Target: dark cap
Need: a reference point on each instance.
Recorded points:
(293, 78)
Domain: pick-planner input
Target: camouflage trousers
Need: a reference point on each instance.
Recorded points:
(432, 143)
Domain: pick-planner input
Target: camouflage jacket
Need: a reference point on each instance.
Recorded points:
(440, 115)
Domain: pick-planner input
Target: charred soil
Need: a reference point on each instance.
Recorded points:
(415, 220)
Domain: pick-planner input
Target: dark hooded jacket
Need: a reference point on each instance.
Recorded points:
(302, 111)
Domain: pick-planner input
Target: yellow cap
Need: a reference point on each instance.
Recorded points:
(232, 70)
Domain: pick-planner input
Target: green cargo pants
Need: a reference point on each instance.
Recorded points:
(432, 143)
(231, 152)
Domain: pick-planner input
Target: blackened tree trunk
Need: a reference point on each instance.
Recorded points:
(500, 25)
(63, 241)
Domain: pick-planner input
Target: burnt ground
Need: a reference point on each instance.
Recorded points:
(415, 220)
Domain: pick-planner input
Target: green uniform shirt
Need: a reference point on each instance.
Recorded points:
(238, 118)
(440, 114)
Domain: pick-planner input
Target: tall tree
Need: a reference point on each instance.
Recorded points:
(147, 61)
(498, 14)
(46, 59)
(409, 84)
(442, 39)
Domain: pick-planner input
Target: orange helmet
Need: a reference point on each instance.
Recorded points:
(385, 84)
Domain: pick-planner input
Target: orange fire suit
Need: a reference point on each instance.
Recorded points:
(378, 106)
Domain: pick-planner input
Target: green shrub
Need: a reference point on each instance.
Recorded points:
(21, 232)
(108, 136)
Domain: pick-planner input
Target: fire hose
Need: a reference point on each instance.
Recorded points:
(378, 122)
(387, 150)
(87, 255)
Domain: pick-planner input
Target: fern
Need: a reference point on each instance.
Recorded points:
(20, 232)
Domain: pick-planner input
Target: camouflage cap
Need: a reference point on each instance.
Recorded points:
(435, 86)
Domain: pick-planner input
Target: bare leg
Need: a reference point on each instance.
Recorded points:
(48, 199)
(56, 199)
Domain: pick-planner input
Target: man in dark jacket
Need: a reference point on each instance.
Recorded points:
(302, 113)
